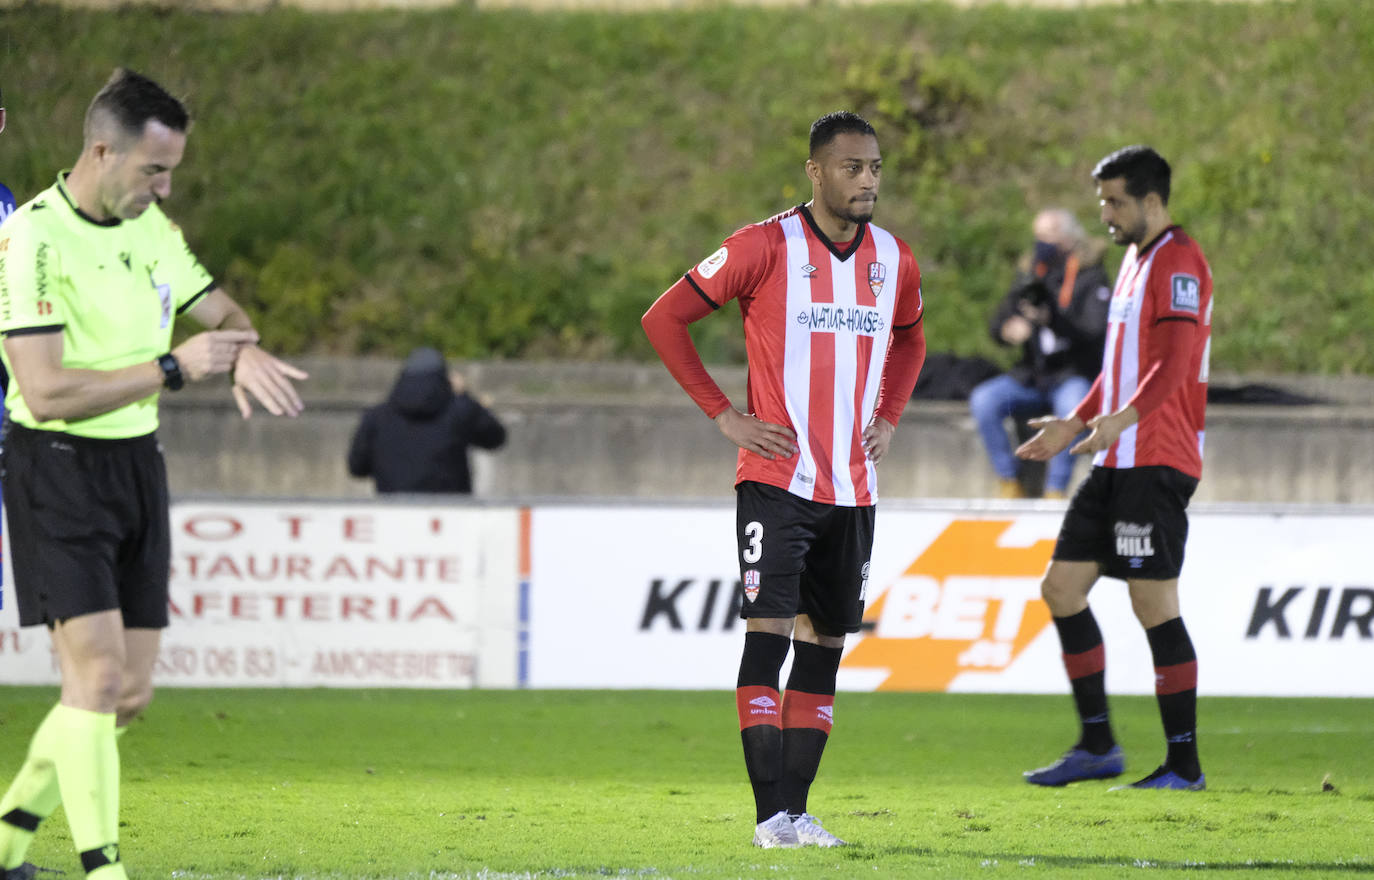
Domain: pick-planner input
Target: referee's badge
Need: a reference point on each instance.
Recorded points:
(164, 295)
(751, 584)
(877, 275)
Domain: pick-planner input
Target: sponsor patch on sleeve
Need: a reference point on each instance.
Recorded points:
(711, 265)
(1187, 293)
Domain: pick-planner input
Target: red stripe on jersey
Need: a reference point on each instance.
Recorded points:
(1089, 662)
(814, 711)
(858, 461)
(821, 418)
(1176, 679)
(758, 705)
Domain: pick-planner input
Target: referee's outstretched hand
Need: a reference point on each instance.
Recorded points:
(748, 431)
(268, 380)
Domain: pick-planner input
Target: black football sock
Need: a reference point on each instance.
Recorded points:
(1086, 662)
(1176, 691)
(760, 718)
(807, 715)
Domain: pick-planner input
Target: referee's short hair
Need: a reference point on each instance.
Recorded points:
(128, 100)
(1145, 171)
(829, 126)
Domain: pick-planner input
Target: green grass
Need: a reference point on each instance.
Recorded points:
(497, 784)
(515, 184)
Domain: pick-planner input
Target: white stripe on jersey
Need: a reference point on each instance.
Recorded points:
(888, 255)
(796, 368)
(846, 374)
(1123, 326)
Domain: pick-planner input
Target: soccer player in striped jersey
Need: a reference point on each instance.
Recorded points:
(1128, 519)
(832, 326)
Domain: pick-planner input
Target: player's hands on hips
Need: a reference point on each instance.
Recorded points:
(1105, 430)
(212, 352)
(268, 380)
(1052, 436)
(751, 433)
(877, 438)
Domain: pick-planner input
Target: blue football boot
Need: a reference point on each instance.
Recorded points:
(1078, 765)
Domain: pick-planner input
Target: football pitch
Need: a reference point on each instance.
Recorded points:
(535, 784)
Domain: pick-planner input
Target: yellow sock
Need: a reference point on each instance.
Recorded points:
(31, 798)
(88, 774)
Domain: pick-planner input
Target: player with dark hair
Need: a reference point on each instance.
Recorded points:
(1128, 520)
(92, 274)
(832, 326)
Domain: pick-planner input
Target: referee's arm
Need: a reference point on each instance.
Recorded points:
(52, 391)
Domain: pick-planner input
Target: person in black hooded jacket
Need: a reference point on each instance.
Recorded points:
(418, 439)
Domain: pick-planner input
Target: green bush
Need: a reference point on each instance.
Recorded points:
(513, 184)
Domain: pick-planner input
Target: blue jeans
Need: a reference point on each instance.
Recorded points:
(1000, 397)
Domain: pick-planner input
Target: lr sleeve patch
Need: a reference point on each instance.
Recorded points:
(1186, 293)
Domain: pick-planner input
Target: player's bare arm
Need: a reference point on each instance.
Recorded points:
(1053, 435)
(256, 373)
(751, 433)
(877, 437)
(53, 391)
(1106, 429)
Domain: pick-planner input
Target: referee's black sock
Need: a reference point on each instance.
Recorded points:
(1176, 691)
(760, 718)
(807, 714)
(1086, 662)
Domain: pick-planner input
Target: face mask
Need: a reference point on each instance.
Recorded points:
(1046, 256)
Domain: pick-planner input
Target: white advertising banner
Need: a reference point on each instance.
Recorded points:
(1277, 604)
(335, 595)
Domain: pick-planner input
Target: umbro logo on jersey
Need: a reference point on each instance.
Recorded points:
(808, 271)
(877, 275)
(763, 702)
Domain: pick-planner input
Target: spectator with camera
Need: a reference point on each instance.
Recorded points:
(1056, 311)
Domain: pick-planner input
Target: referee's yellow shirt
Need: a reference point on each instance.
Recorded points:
(111, 288)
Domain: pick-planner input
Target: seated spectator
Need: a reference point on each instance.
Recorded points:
(1056, 311)
(418, 439)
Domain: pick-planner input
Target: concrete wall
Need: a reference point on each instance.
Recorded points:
(627, 430)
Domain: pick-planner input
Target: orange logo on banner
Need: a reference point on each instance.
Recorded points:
(966, 604)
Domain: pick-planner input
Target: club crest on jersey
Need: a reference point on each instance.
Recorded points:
(877, 275)
(1187, 293)
(751, 584)
(711, 265)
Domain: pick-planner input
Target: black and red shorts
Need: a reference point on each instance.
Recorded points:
(802, 557)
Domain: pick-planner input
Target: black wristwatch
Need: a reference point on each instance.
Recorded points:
(171, 372)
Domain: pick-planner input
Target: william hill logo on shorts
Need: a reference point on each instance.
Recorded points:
(1133, 541)
(827, 318)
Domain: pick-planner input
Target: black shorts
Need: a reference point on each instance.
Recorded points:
(1132, 521)
(802, 557)
(88, 526)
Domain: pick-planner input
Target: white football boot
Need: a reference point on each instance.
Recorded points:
(810, 832)
(776, 831)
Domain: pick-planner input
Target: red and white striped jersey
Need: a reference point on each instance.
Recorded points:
(818, 319)
(1166, 281)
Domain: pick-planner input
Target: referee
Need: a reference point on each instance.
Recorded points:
(92, 274)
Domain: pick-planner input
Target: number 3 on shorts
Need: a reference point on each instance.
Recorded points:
(753, 533)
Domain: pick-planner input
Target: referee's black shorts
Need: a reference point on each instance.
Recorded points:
(802, 557)
(87, 526)
(1131, 521)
